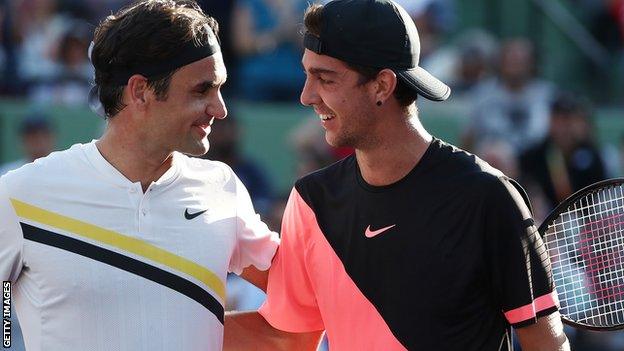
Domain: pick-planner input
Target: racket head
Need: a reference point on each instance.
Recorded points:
(584, 237)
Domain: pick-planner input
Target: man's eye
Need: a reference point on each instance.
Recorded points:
(203, 90)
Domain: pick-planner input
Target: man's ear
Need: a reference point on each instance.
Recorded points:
(385, 82)
(137, 91)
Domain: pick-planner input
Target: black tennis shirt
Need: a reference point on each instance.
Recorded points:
(449, 255)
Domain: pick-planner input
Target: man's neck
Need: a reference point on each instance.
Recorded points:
(130, 155)
(395, 155)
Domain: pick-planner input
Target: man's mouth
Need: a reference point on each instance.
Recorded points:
(203, 127)
(325, 116)
(203, 124)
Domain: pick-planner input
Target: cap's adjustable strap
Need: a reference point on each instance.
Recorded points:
(313, 43)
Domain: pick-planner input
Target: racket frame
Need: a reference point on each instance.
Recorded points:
(564, 206)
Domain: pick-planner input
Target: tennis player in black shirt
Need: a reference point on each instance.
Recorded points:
(411, 243)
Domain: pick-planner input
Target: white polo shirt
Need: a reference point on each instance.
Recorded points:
(99, 265)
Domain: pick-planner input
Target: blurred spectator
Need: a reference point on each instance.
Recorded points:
(466, 62)
(433, 19)
(605, 20)
(607, 23)
(39, 29)
(475, 58)
(69, 82)
(37, 140)
(612, 158)
(95, 10)
(225, 143)
(9, 82)
(616, 9)
(3, 21)
(267, 42)
(500, 155)
(79, 9)
(514, 105)
(567, 160)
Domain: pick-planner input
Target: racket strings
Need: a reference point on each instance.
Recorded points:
(586, 247)
(606, 207)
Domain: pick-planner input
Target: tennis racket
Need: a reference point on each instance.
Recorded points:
(584, 237)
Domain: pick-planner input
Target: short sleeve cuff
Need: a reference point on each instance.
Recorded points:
(528, 314)
(289, 322)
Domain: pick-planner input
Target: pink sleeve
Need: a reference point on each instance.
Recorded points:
(291, 303)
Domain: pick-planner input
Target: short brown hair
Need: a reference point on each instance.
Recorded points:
(145, 32)
(313, 19)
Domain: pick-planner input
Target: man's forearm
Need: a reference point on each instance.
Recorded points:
(249, 331)
(546, 335)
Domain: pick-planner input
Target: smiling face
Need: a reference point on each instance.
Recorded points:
(182, 121)
(342, 102)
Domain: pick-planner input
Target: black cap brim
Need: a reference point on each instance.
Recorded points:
(425, 84)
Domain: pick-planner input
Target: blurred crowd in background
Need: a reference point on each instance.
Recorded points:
(532, 128)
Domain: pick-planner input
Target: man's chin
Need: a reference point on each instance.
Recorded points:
(196, 150)
(330, 139)
(336, 142)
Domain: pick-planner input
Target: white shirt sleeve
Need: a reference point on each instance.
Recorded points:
(11, 238)
(255, 244)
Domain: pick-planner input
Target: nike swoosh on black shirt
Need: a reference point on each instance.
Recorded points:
(190, 216)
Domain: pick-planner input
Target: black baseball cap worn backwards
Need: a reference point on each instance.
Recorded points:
(379, 34)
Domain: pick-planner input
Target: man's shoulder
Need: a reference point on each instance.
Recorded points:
(11, 166)
(479, 179)
(454, 162)
(56, 164)
(455, 156)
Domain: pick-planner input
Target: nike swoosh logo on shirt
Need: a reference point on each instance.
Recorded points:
(371, 233)
(190, 216)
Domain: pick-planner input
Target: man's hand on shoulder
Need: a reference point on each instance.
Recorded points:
(256, 277)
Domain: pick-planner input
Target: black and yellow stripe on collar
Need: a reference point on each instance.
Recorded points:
(125, 243)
